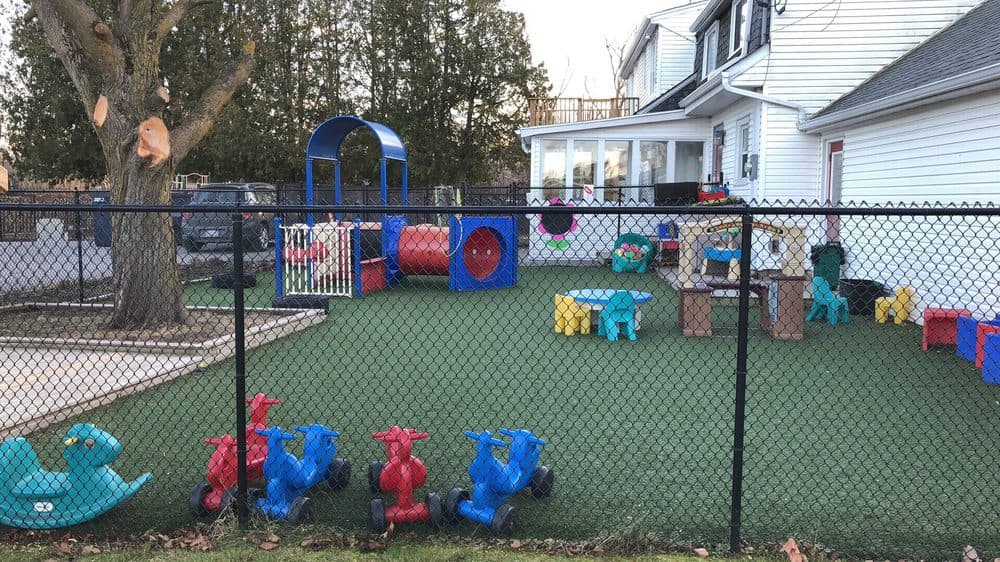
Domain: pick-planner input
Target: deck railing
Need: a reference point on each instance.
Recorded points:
(556, 111)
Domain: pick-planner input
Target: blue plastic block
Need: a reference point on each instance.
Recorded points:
(468, 240)
(991, 359)
(966, 340)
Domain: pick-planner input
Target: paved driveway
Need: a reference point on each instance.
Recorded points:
(51, 260)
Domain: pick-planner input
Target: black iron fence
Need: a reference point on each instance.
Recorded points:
(829, 374)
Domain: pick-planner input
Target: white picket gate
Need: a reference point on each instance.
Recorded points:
(316, 260)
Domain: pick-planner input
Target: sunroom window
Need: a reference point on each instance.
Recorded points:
(553, 168)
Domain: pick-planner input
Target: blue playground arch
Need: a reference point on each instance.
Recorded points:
(325, 142)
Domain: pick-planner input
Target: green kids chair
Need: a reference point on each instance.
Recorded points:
(824, 300)
(619, 310)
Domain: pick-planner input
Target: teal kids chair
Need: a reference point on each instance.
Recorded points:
(619, 310)
(824, 300)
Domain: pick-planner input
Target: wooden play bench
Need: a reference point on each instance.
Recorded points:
(781, 301)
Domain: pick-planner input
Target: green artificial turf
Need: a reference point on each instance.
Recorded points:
(855, 438)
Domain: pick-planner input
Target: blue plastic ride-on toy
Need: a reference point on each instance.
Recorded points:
(31, 498)
(288, 478)
(494, 482)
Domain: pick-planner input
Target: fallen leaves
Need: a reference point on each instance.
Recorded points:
(192, 540)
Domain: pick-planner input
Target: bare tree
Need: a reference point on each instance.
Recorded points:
(616, 57)
(116, 72)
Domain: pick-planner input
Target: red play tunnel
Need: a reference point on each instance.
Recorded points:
(423, 250)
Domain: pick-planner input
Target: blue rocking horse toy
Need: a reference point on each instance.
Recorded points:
(31, 498)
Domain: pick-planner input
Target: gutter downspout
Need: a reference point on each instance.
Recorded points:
(526, 145)
(727, 86)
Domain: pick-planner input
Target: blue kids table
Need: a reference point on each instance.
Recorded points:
(598, 298)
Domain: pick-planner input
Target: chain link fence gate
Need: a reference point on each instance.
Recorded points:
(730, 418)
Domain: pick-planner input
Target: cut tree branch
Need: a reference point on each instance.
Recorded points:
(174, 15)
(94, 40)
(197, 123)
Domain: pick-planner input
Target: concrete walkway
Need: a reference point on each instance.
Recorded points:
(43, 386)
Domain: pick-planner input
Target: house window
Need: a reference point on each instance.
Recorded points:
(617, 163)
(710, 53)
(553, 168)
(652, 167)
(651, 59)
(584, 166)
(689, 161)
(718, 145)
(738, 22)
(743, 148)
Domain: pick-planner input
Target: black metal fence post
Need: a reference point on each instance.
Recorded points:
(736, 513)
(78, 220)
(242, 513)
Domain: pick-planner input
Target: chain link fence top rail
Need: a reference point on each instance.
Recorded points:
(863, 345)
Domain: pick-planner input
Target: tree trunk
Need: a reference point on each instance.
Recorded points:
(148, 289)
(121, 70)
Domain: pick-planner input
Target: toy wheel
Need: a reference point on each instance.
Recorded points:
(340, 474)
(301, 510)
(374, 474)
(254, 494)
(434, 509)
(543, 479)
(455, 495)
(196, 501)
(376, 516)
(228, 499)
(504, 519)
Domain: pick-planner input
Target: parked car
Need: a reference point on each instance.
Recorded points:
(179, 198)
(200, 228)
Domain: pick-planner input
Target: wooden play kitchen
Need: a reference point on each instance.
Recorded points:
(695, 237)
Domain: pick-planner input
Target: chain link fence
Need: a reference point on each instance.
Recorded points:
(824, 373)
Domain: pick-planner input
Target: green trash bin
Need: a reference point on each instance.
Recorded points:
(827, 260)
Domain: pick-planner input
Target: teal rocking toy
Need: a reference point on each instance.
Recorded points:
(31, 498)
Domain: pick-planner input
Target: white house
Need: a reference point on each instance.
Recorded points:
(812, 100)
(769, 86)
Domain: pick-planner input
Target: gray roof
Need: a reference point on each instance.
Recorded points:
(971, 43)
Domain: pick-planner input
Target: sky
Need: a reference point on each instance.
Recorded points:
(569, 37)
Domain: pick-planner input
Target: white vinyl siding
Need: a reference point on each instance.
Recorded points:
(948, 152)
(821, 50)
(667, 57)
(675, 58)
(747, 111)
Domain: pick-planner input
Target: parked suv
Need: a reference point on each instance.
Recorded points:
(199, 228)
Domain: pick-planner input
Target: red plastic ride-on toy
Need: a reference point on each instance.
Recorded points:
(215, 495)
(401, 476)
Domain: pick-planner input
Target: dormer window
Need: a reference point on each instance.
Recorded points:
(710, 55)
(739, 18)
